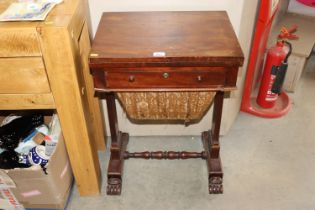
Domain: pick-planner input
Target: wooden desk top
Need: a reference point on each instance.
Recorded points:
(195, 38)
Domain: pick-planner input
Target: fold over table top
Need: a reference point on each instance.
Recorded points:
(201, 38)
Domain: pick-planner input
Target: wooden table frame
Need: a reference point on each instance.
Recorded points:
(121, 61)
(119, 153)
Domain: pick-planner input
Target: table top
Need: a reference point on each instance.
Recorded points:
(197, 38)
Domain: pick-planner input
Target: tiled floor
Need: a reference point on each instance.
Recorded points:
(268, 164)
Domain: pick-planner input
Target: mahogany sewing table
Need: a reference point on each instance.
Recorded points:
(165, 51)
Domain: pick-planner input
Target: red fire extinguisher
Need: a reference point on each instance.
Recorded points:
(275, 69)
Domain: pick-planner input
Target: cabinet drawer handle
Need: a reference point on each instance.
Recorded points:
(131, 78)
(166, 75)
(199, 78)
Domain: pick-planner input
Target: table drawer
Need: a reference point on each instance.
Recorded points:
(168, 78)
(23, 75)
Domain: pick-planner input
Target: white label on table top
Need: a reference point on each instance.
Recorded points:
(159, 54)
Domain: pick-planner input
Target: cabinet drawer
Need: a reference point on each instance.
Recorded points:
(168, 78)
(19, 42)
(23, 75)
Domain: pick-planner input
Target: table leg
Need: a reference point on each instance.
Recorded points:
(119, 143)
(211, 144)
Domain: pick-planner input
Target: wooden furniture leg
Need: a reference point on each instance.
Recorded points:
(118, 146)
(211, 144)
(63, 69)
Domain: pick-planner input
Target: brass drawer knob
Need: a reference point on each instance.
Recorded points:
(199, 78)
(166, 75)
(131, 78)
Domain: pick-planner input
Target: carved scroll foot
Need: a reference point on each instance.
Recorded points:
(215, 185)
(114, 186)
(116, 165)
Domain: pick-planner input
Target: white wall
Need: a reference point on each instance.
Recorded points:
(232, 105)
(297, 7)
(234, 9)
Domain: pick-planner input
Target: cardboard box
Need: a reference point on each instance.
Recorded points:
(36, 188)
(294, 72)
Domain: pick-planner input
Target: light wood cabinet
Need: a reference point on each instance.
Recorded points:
(43, 65)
